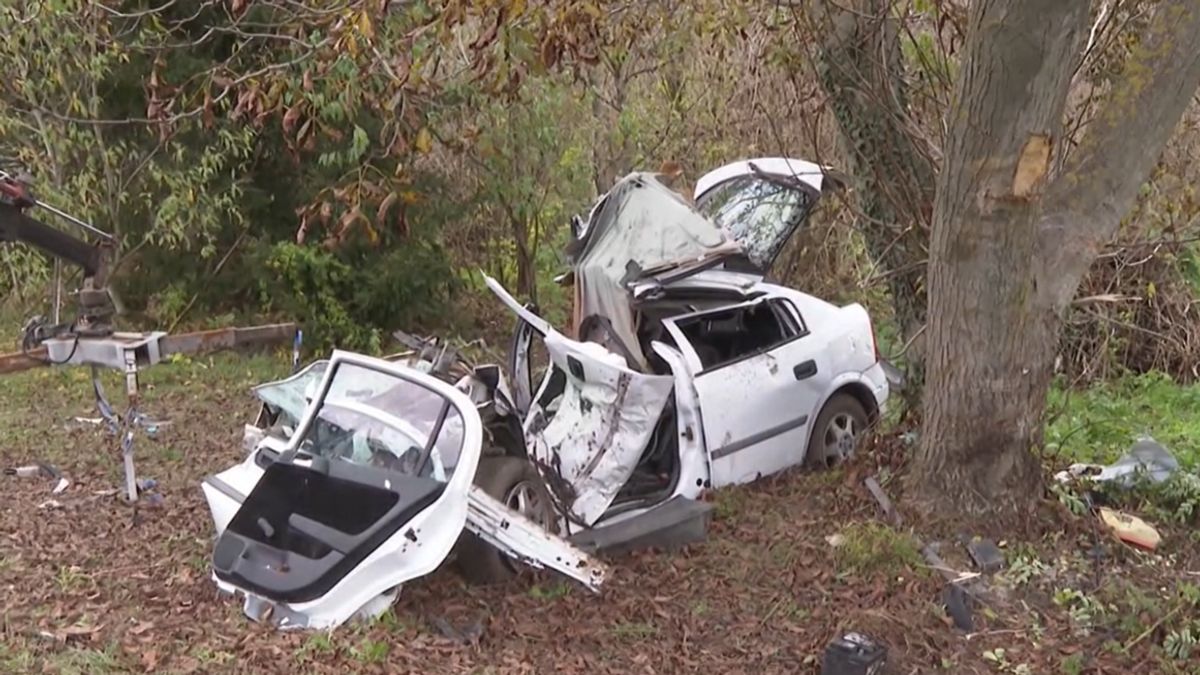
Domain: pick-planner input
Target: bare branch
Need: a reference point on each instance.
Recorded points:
(1101, 178)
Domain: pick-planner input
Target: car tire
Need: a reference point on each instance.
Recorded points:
(836, 432)
(501, 477)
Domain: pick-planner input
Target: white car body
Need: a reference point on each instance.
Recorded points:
(257, 564)
(735, 421)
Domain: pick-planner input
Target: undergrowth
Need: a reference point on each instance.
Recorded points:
(1100, 423)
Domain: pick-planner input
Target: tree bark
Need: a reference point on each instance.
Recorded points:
(1009, 245)
(990, 344)
(862, 73)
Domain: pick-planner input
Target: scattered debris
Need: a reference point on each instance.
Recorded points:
(986, 555)
(1131, 529)
(1147, 457)
(61, 483)
(959, 605)
(854, 654)
(836, 540)
(50, 504)
(880, 496)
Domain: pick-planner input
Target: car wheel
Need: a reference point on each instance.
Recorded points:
(836, 432)
(516, 483)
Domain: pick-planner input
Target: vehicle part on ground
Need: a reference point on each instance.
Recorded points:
(529, 543)
(515, 483)
(666, 526)
(836, 433)
(1147, 458)
(366, 440)
(854, 654)
(280, 514)
(61, 482)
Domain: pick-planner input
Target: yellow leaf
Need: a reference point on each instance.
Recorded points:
(424, 141)
(517, 8)
(364, 25)
(1151, 290)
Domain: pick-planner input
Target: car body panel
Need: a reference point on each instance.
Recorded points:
(419, 546)
(587, 448)
(415, 546)
(755, 409)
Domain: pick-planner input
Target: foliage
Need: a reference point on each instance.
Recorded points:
(71, 62)
(1100, 423)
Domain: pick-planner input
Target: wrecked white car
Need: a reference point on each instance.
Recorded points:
(690, 371)
(686, 372)
(359, 479)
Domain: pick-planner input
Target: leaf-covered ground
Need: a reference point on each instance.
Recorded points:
(85, 589)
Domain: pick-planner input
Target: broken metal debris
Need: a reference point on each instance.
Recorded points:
(1146, 458)
(854, 654)
(61, 483)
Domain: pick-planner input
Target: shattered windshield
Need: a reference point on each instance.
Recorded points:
(374, 418)
(291, 396)
(760, 214)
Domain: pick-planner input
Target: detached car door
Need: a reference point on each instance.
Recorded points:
(758, 376)
(370, 491)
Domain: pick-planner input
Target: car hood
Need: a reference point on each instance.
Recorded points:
(642, 234)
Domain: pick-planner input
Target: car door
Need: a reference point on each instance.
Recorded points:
(755, 403)
(370, 491)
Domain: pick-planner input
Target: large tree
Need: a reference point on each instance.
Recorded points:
(1019, 211)
(1012, 237)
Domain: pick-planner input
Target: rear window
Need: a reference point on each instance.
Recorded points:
(760, 214)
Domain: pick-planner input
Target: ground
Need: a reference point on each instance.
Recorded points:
(86, 590)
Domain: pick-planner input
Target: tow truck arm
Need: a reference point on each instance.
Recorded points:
(95, 302)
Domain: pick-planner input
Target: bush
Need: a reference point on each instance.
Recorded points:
(352, 300)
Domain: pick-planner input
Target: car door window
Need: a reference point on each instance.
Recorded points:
(730, 335)
(374, 418)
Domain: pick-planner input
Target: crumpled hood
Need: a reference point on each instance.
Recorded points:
(640, 226)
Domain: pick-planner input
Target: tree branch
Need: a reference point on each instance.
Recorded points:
(1101, 179)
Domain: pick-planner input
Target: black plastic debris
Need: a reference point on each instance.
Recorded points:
(854, 654)
(986, 555)
(958, 606)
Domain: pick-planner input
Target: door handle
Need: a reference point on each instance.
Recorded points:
(805, 370)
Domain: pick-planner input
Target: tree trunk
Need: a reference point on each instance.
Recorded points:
(991, 345)
(862, 73)
(1009, 246)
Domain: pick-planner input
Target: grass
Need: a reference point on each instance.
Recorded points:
(1100, 423)
(765, 592)
(868, 548)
